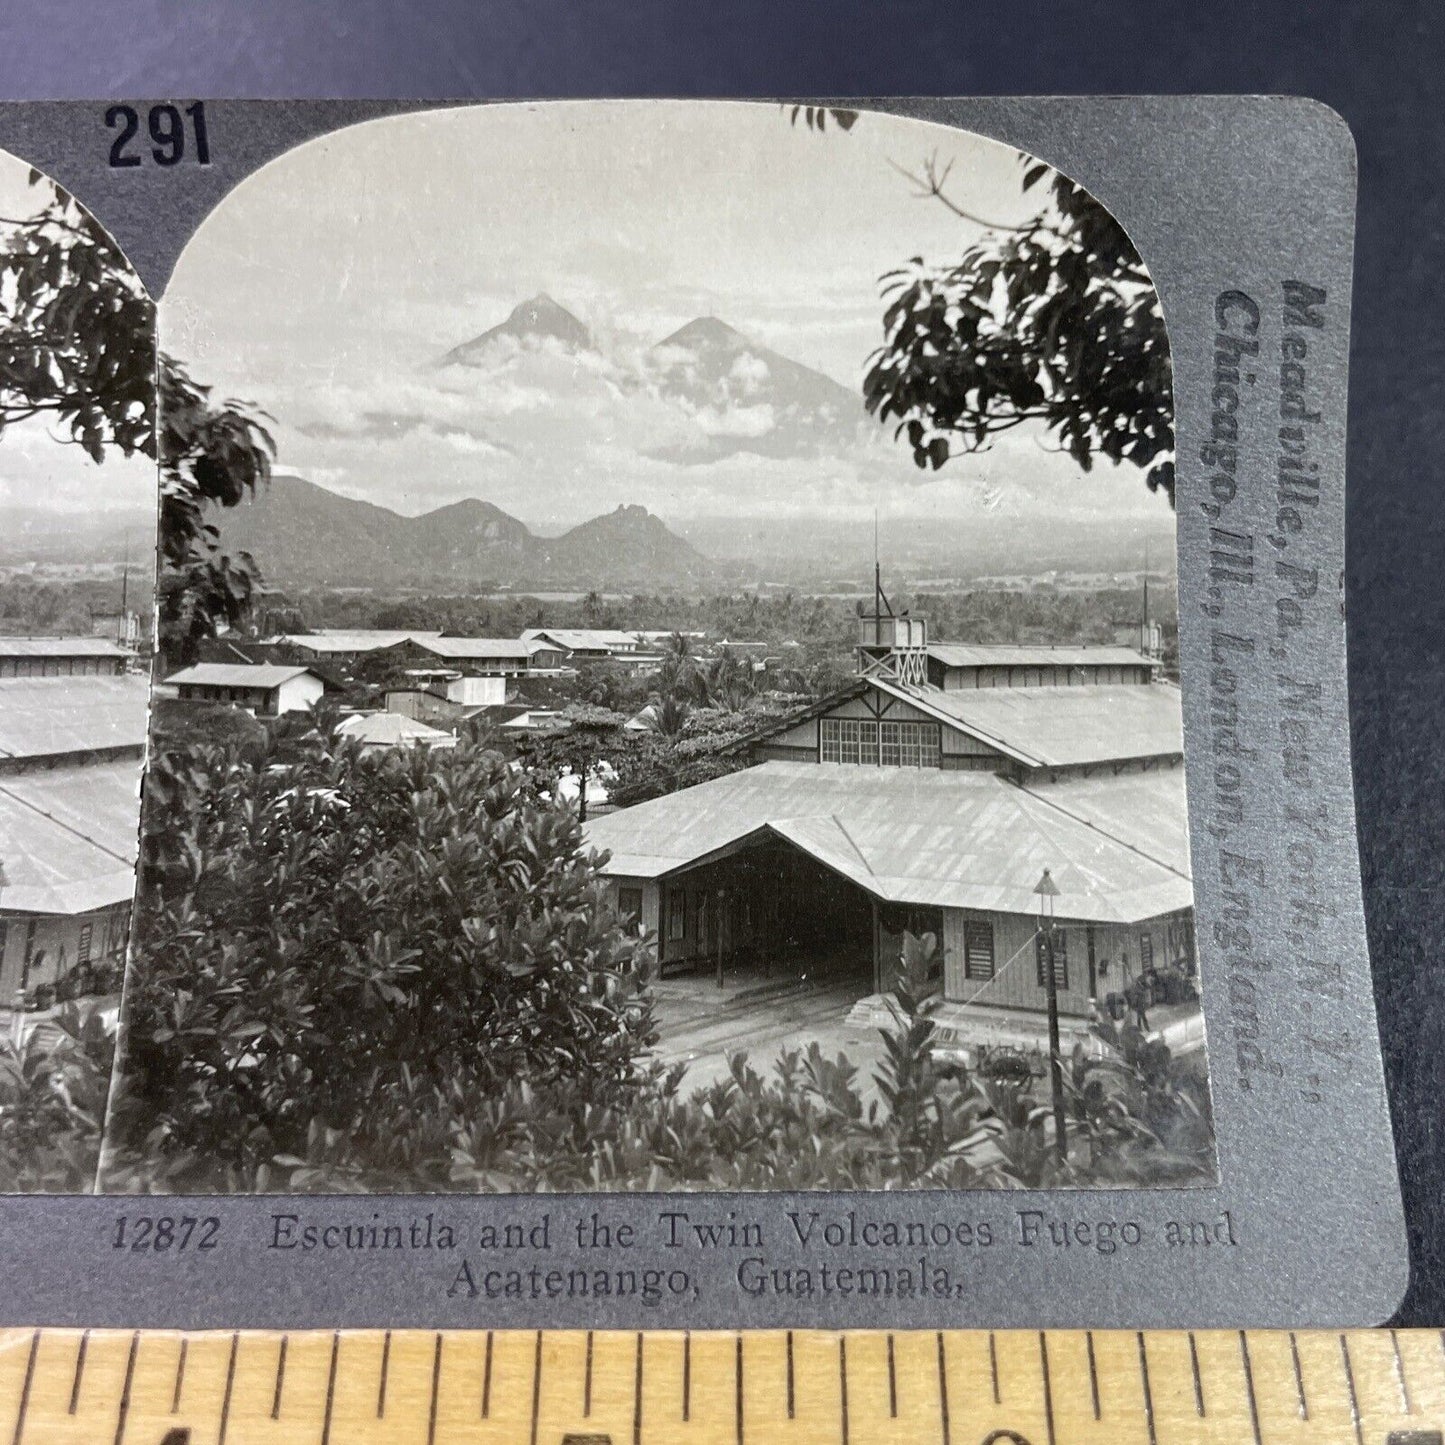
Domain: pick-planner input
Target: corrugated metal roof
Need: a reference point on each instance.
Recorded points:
(354, 639)
(60, 647)
(238, 674)
(68, 838)
(1143, 810)
(586, 638)
(477, 646)
(1061, 726)
(42, 716)
(914, 835)
(1008, 654)
(390, 729)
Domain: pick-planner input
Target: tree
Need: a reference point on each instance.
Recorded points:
(1055, 322)
(78, 348)
(581, 742)
(334, 944)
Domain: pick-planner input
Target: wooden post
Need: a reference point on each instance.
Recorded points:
(718, 925)
(877, 949)
(1056, 1068)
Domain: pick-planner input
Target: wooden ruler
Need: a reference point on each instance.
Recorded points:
(511, 1387)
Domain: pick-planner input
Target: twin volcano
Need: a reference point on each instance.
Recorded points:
(531, 322)
(302, 535)
(741, 396)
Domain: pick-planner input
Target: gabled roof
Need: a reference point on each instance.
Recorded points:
(68, 838)
(354, 639)
(1040, 727)
(917, 835)
(1057, 727)
(1142, 810)
(43, 716)
(584, 639)
(1009, 654)
(391, 729)
(60, 647)
(239, 674)
(476, 647)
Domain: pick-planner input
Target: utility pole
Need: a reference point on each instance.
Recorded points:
(1048, 890)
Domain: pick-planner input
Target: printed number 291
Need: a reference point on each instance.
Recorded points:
(166, 127)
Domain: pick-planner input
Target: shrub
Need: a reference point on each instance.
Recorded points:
(323, 939)
(53, 1083)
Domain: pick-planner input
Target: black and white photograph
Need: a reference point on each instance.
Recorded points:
(666, 671)
(77, 548)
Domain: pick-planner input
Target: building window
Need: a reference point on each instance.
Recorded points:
(977, 948)
(82, 948)
(676, 914)
(910, 745)
(1146, 951)
(629, 904)
(1061, 958)
(849, 740)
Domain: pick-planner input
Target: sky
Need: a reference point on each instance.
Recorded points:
(326, 288)
(38, 471)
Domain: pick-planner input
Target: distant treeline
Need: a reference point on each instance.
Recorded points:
(62, 608)
(1039, 614)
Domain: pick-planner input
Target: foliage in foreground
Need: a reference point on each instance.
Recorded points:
(324, 940)
(390, 975)
(78, 350)
(53, 1083)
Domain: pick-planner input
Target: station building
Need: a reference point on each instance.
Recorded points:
(929, 796)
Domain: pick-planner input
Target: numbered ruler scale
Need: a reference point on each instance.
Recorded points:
(854, 1388)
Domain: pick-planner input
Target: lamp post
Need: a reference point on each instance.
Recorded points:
(1047, 891)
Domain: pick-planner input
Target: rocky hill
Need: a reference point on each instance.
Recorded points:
(302, 535)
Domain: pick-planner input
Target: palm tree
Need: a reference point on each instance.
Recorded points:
(669, 717)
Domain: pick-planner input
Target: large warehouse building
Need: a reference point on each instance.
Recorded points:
(931, 802)
(70, 767)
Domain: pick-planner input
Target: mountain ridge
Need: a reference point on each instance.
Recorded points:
(302, 533)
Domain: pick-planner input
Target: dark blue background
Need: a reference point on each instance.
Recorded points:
(1379, 65)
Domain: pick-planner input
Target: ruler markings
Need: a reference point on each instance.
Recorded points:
(230, 1385)
(79, 1372)
(1198, 1379)
(1148, 1392)
(1400, 1379)
(993, 1366)
(487, 1379)
(123, 1413)
(1249, 1387)
(385, 1370)
(1093, 1372)
(180, 1376)
(738, 1402)
(25, 1388)
(687, 1374)
(636, 1392)
(587, 1381)
(792, 1398)
(536, 1385)
(330, 1389)
(280, 1379)
(943, 1389)
(1048, 1385)
(436, 1381)
(129, 1380)
(1350, 1383)
(1299, 1377)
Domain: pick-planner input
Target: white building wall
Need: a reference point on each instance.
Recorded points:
(299, 694)
(477, 691)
